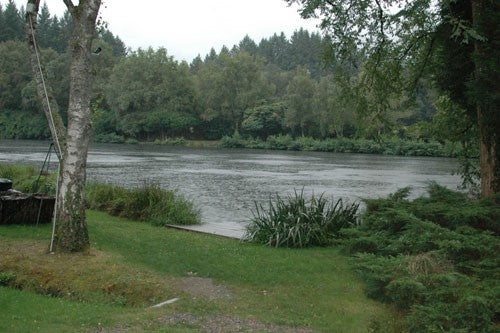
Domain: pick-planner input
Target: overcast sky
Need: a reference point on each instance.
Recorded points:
(187, 28)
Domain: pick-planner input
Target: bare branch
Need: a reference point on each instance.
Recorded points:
(70, 6)
(414, 43)
(381, 20)
(424, 63)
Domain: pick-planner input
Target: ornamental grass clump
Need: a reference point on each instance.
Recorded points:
(298, 222)
(146, 203)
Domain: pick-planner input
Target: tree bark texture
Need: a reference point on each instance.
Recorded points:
(71, 228)
(71, 233)
(488, 135)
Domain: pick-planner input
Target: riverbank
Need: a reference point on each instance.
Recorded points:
(385, 146)
(221, 283)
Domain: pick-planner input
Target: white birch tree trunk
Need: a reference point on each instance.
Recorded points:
(71, 233)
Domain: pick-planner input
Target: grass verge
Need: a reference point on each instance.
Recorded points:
(312, 288)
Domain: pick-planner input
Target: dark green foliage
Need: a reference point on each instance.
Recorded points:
(388, 146)
(300, 222)
(405, 292)
(6, 278)
(263, 121)
(435, 258)
(23, 125)
(378, 272)
(13, 23)
(147, 203)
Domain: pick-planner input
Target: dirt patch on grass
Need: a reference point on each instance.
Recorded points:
(205, 288)
(208, 324)
(222, 324)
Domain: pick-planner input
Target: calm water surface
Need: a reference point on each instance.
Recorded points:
(225, 183)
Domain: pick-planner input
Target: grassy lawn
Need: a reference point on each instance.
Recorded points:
(134, 265)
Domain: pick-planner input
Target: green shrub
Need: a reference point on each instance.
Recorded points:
(405, 292)
(298, 222)
(131, 141)
(452, 209)
(26, 179)
(435, 257)
(476, 314)
(7, 278)
(109, 138)
(378, 272)
(180, 141)
(23, 125)
(469, 314)
(147, 203)
(236, 141)
(279, 142)
(364, 244)
(388, 146)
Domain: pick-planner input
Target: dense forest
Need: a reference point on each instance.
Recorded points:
(279, 86)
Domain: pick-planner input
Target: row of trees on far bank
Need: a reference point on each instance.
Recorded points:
(279, 86)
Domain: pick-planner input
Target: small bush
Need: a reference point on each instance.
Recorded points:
(476, 314)
(435, 257)
(378, 273)
(236, 141)
(26, 179)
(405, 292)
(147, 203)
(7, 278)
(298, 222)
(131, 141)
(109, 138)
(171, 141)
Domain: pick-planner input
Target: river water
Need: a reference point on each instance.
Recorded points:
(225, 183)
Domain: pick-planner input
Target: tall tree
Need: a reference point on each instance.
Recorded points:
(232, 84)
(400, 38)
(276, 51)
(117, 45)
(71, 229)
(44, 27)
(300, 98)
(14, 73)
(2, 25)
(248, 45)
(161, 98)
(332, 114)
(13, 23)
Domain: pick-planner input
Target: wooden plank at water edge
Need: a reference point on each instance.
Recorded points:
(20, 208)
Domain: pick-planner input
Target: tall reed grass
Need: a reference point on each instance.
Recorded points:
(145, 203)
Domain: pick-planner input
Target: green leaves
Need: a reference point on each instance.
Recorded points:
(299, 222)
(435, 258)
(231, 84)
